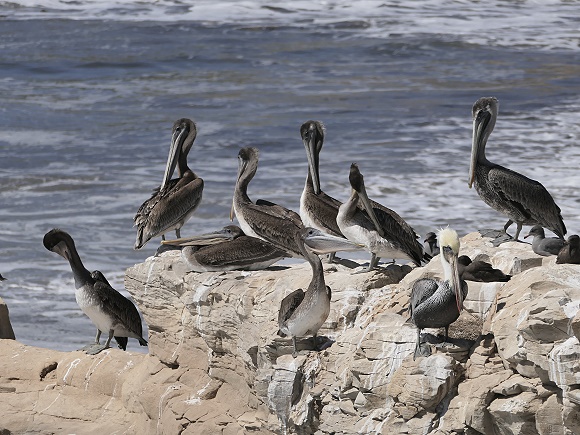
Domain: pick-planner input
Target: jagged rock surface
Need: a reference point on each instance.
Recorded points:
(216, 365)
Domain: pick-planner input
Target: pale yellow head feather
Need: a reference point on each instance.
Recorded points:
(449, 237)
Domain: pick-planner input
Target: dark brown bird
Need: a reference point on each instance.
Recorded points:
(479, 271)
(570, 252)
(172, 203)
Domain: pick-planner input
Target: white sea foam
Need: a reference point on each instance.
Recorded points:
(548, 24)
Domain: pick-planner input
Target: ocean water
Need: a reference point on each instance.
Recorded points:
(90, 90)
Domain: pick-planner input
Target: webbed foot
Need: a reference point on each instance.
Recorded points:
(96, 348)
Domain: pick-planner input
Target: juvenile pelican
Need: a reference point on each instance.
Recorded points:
(172, 203)
(570, 252)
(436, 304)
(317, 209)
(382, 231)
(303, 312)
(523, 200)
(108, 309)
(264, 220)
(479, 271)
(542, 245)
(226, 249)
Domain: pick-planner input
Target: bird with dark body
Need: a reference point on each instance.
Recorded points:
(543, 245)
(226, 249)
(437, 304)
(317, 209)
(108, 309)
(570, 252)
(430, 244)
(263, 219)
(2, 278)
(175, 200)
(479, 271)
(382, 231)
(303, 312)
(523, 200)
(98, 276)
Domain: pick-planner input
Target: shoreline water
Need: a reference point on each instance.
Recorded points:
(89, 106)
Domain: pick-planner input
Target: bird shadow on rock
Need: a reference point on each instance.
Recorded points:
(283, 346)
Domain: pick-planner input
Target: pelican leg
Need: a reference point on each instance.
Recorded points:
(98, 348)
(372, 264)
(294, 352)
(446, 333)
(504, 236)
(178, 233)
(420, 351)
(330, 257)
(518, 231)
(162, 236)
(90, 345)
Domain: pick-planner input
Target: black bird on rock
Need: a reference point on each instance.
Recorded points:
(479, 271)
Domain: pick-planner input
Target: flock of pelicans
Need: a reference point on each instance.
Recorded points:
(269, 232)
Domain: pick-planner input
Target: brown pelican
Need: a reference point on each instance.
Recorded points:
(304, 312)
(317, 209)
(570, 252)
(436, 304)
(226, 249)
(98, 276)
(479, 271)
(542, 245)
(430, 244)
(108, 309)
(523, 200)
(382, 231)
(173, 203)
(264, 220)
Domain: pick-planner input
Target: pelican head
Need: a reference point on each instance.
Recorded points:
(312, 133)
(59, 241)
(227, 233)
(247, 166)
(183, 134)
(323, 243)
(484, 115)
(449, 245)
(358, 185)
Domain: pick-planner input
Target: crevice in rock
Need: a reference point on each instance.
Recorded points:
(47, 369)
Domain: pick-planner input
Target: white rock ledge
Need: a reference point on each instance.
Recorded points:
(216, 366)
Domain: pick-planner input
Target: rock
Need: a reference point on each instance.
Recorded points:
(216, 365)
(6, 331)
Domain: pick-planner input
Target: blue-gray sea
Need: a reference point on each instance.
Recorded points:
(89, 91)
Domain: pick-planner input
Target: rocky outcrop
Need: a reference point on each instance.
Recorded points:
(6, 331)
(216, 365)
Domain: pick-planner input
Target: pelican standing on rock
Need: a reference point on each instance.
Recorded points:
(570, 252)
(523, 200)
(226, 249)
(173, 203)
(317, 209)
(303, 312)
(109, 310)
(263, 219)
(382, 231)
(542, 245)
(437, 304)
